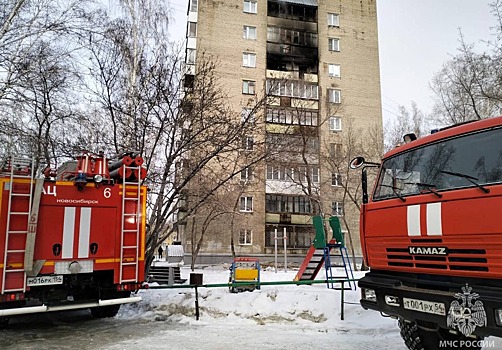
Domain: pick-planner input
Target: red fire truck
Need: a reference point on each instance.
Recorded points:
(72, 239)
(431, 233)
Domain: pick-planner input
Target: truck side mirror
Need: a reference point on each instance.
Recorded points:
(357, 162)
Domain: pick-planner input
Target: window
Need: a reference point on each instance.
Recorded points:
(279, 173)
(192, 29)
(337, 208)
(245, 237)
(273, 173)
(440, 165)
(248, 143)
(250, 6)
(249, 32)
(298, 89)
(315, 174)
(191, 56)
(335, 150)
(334, 44)
(334, 70)
(246, 204)
(247, 115)
(333, 19)
(193, 6)
(248, 87)
(335, 123)
(336, 179)
(249, 59)
(247, 174)
(335, 95)
(276, 203)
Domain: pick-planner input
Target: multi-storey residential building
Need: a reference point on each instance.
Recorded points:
(317, 60)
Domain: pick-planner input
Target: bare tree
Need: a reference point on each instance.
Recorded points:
(39, 84)
(468, 87)
(406, 122)
(355, 141)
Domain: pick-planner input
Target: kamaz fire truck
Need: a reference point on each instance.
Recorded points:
(73, 238)
(431, 233)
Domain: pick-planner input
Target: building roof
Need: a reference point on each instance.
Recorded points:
(302, 2)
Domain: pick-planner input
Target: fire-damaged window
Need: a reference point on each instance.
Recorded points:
(472, 160)
(290, 10)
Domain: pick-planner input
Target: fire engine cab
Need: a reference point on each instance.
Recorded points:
(72, 239)
(431, 233)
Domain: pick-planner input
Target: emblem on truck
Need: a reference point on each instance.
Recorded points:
(466, 313)
(427, 250)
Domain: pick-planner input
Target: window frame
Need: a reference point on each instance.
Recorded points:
(335, 123)
(246, 204)
(191, 56)
(334, 70)
(248, 143)
(247, 234)
(336, 149)
(192, 29)
(247, 31)
(332, 46)
(337, 208)
(333, 19)
(336, 179)
(335, 96)
(252, 6)
(315, 174)
(194, 6)
(247, 115)
(249, 59)
(248, 87)
(247, 174)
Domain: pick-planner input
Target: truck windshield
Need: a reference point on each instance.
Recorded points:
(464, 161)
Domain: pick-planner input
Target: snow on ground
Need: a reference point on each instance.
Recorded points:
(274, 317)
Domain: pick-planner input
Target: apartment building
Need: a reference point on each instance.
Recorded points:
(317, 60)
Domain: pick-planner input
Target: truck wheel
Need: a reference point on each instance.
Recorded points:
(416, 338)
(105, 311)
(4, 321)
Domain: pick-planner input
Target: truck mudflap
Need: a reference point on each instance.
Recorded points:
(470, 308)
(46, 308)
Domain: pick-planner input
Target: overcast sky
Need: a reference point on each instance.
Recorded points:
(415, 38)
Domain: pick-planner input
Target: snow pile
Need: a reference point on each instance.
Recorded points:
(273, 318)
(298, 310)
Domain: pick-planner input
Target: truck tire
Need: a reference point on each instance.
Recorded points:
(417, 338)
(4, 321)
(105, 311)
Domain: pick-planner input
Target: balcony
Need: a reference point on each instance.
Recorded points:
(300, 55)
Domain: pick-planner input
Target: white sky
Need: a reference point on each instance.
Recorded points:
(415, 37)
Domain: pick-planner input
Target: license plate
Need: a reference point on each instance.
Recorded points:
(44, 280)
(424, 306)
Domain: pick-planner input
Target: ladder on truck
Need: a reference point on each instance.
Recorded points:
(322, 253)
(19, 208)
(130, 233)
